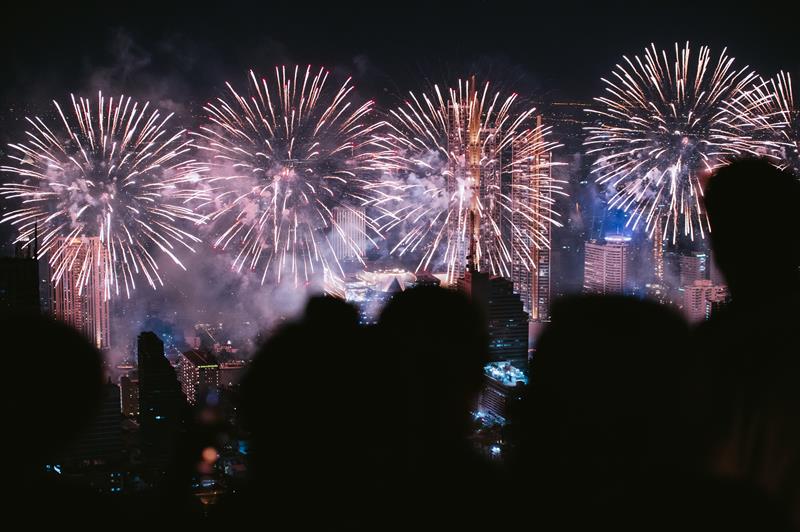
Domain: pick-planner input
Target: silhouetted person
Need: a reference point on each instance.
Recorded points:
(752, 210)
(603, 440)
(748, 367)
(305, 401)
(602, 414)
(434, 345)
(52, 390)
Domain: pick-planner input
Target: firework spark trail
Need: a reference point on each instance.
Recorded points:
(104, 187)
(444, 156)
(282, 160)
(767, 110)
(663, 126)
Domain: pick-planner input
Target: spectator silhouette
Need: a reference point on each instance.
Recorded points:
(41, 421)
(302, 402)
(747, 364)
(603, 439)
(752, 210)
(434, 345)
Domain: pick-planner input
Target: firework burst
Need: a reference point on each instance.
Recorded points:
(104, 187)
(468, 168)
(662, 128)
(767, 109)
(288, 165)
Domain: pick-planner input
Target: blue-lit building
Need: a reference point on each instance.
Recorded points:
(507, 321)
(504, 383)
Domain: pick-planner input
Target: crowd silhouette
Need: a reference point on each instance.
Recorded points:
(632, 419)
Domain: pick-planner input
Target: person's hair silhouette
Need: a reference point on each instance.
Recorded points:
(752, 210)
(745, 381)
(602, 415)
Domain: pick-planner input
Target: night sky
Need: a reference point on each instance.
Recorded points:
(558, 51)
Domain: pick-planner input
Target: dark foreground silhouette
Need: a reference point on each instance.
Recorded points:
(631, 421)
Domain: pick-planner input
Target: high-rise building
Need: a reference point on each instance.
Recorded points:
(129, 394)
(606, 266)
(81, 294)
(692, 267)
(469, 142)
(531, 196)
(658, 251)
(503, 384)
(701, 297)
(161, 402)
(199, 375)
(714, 273)
(101, 442)
(508, 323)
(19, 282)
(349, 233)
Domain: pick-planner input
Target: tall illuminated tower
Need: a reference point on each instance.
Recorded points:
(470, 143)
(530, 197)
(349, 238)
(81, 294)
(658, 250)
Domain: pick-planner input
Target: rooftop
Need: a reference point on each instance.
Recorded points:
(201, 358)
(505, 373)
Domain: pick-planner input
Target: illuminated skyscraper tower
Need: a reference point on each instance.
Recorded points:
(658, 250)
(349, 237)
(80, 293)
(470, 143)
(530, 195)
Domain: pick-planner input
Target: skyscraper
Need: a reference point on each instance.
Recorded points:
(199, 375)
(161, 403)
(503, 384)
(129, 394)
(349, 236)
(81, 294)
(700, 298)
(101, 442)
(470, 142)
(692, 267)
(606, 266)
(19, 282)
(508, 323)
(530, 195)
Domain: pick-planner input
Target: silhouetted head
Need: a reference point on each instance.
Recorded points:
(437, 342)
(752, 210)
(54, 379)
(603, 389)
(301, 401)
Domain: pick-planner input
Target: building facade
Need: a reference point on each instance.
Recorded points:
(349, 234)
(701, 298)
(531, 197)
(199, 375)
(507, 321)
(81, 294)
(606, 266)
(161, 402)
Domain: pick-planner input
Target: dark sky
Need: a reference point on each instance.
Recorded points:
(183, 51)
